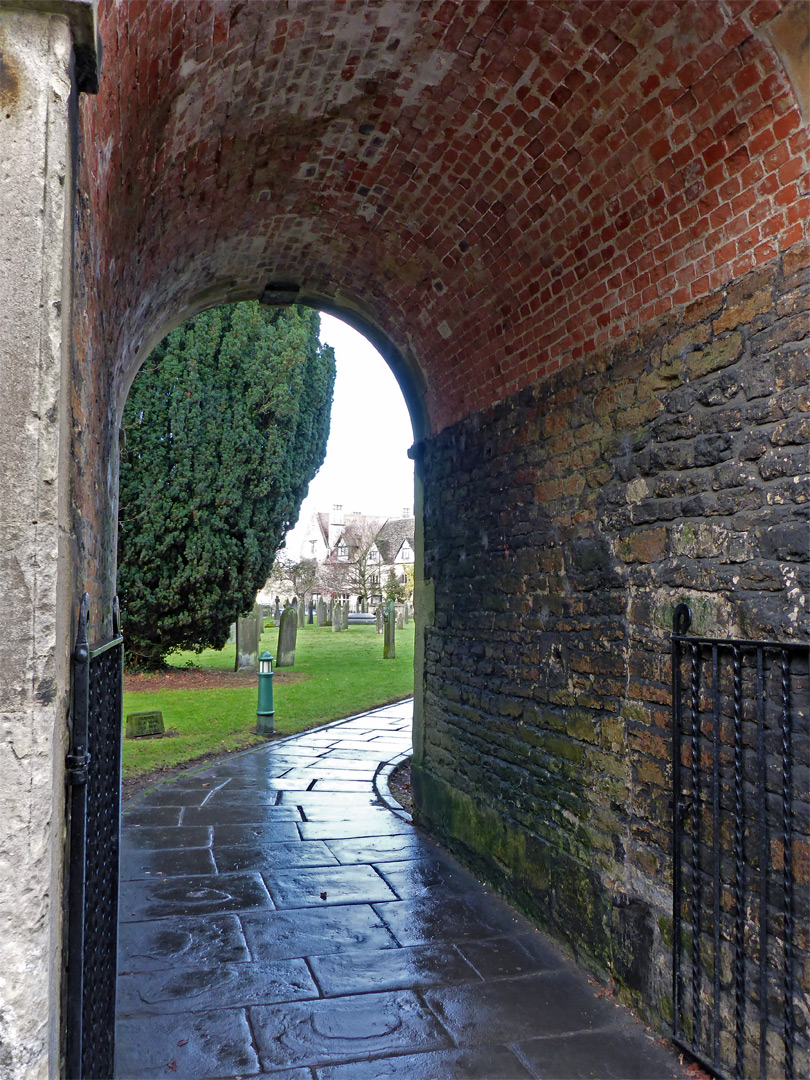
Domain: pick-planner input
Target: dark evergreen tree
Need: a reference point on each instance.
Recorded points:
(224, 428)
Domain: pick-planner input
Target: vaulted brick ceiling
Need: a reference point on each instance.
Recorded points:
(500, 186)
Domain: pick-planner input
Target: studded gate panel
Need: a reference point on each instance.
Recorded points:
(741, 836)
(94, 776)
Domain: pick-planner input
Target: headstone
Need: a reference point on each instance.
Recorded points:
(277, 611)
(143, 725)
(345, 607)
(389, 641)
(287, 634)
(362, 604)
(321, 612)
(337, 616)
(400, 620)
(301, 612)
(406, 612)
(248, 633)
(380, 613)
(311, 616)
(232, 635)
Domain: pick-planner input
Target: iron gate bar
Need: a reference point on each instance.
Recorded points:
(739, 869)
(763, 864)
(93, 775)
(787, 862)
(77, 763)
(695, 748)
(688, 824)
(716, 841)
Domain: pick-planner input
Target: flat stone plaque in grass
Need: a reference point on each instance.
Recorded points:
(142, 725)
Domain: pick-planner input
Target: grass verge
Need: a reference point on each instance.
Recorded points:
(337, 675)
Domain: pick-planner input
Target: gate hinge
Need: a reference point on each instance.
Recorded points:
(76, 765)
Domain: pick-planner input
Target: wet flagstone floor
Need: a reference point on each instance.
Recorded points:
(278, 917)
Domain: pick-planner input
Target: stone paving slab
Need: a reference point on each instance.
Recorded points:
(166, 944)
(480, 1063)
(345, 1028)
(277, 918)
(259, 983)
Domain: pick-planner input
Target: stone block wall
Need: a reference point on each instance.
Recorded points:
(35, 185)
(561, 527)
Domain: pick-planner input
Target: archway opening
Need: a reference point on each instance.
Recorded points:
(354, 544)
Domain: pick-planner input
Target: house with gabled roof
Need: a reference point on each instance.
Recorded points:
(335, 539)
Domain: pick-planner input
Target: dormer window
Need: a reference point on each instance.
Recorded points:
(373, 555)
(343, 550)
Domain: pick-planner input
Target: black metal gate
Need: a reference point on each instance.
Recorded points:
(740, 846)
(94, 803)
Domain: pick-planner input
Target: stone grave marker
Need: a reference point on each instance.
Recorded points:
(337, 617)
(321, 612)
(311, 613)
(389, 641)
(406, 612)
(345, 615)
(301, 613)
(144, 725)
(400, 620)
(380, 616)
(277, 611)
(248, 633)
(287, 634)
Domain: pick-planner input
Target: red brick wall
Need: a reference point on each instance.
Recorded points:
(506, 186)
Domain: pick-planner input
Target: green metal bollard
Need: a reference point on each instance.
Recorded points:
(265, 711)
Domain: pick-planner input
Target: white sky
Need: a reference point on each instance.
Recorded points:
(366, 466)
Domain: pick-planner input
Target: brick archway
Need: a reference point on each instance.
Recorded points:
(583, 229)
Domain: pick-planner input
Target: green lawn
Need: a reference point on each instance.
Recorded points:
(342, 674)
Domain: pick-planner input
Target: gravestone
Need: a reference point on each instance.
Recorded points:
(144, 725)
(277, 611)
(380, 616)
(248, 633)
(311, 616)
(400, 620)
(362, 605)
(321, 612)
(232, 635)
(287, 634)
(389, 641)
(406, 612)
(337, 617)
(345, 615)
(301, 613)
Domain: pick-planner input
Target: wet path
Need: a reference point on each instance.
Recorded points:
(277, 918)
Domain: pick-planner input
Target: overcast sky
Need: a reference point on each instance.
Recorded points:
(367, 467)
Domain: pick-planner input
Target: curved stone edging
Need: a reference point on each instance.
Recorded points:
(381, 785)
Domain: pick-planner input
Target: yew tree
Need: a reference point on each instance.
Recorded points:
(225, 426)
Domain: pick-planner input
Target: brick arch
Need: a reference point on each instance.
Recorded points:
(582, 226)
(351, 310)
(508, 187)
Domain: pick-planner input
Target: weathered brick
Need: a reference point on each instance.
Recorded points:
(718, 354)
(644, 546)
(743, 312)
(796, 431)
(776, 463)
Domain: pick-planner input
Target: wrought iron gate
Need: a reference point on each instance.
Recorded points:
(740, 845)
(94, 801)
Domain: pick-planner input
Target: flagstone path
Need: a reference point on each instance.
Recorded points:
(278, 917)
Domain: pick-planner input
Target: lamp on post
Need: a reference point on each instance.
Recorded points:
(265, 712)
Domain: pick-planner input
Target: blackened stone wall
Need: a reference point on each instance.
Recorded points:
(561, 528)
